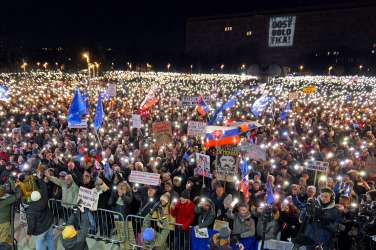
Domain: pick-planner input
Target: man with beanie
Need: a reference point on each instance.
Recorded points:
(40, 218)
(72, 238)
(183, 211)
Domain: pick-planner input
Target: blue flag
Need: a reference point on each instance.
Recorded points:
(218, 115)
(105, 95)
(260, 105)
(269, 194)
(77, 108)
(244, 167)
(107, 171)
(186, 156)
(4, 93)
(286, 111)
(99, 114)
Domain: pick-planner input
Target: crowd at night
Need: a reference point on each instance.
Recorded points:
(181, 161)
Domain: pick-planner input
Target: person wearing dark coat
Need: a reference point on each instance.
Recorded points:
(320, 231)
(40, 218)
(72, 238)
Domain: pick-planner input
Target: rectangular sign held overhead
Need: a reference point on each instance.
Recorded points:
(281, 31)
(162, 132)
(320, 166)
(227, 163)
(203, 165)
(145, 178)
(136, 121)
(88, 198)
(111, 90)
(196, 128)
(191, 101)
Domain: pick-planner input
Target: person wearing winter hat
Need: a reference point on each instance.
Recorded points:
(183, 211)
(164, 211)
(72, 238)
(40, 218)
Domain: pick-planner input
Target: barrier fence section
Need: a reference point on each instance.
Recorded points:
(104, 224)
(162, 233)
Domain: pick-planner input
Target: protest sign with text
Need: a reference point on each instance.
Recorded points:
(88, 198)
(162, 132)
(146, 178)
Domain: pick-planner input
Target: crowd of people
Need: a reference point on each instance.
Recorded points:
(279, 197)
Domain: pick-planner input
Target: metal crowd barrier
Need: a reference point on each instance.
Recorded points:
(104, 223)
(168, 235)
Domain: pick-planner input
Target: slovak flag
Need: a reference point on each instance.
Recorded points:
(202, 108)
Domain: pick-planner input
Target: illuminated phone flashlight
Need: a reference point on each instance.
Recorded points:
(323, 178)
(175, 200)
(276, 196)
(339, 178)
(136, 185)
(192, 160)
(25, 166)
(114, 187)
(262, 204)
(362, 173)
(234, 202)
(354, 205)
(14, 174)
(286, 183)
(203, 200)
(151, 199)
(286, 201)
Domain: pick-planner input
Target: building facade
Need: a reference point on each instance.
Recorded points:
(340, 35)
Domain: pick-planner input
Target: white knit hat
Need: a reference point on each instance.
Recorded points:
(35, 196)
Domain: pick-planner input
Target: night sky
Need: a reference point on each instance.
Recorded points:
(127, 24)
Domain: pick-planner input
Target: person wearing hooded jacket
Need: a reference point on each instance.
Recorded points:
(40, 219)
(72, 239)
(322, 230)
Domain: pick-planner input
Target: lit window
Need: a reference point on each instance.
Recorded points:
(228, 28)
(248, 33)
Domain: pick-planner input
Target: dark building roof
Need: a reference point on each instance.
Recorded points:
(345, 29)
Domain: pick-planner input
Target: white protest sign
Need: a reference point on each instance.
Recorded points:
(191, 101)
(253, 152)
(136, 121)
(88, 198)
(281, 31)
(111, 90)
(320, 166)
(203, 164)
(83, 124)
(145, 178)
(196, 128)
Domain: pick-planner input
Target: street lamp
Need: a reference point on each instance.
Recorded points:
(222, 66)
(96, 66)
(23, 66)
(242, 67)
(168, 66)
(45, 65)
(330, 69)
(87, 57)
(301, 67)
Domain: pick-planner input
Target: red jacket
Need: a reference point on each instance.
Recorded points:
(184, 213)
